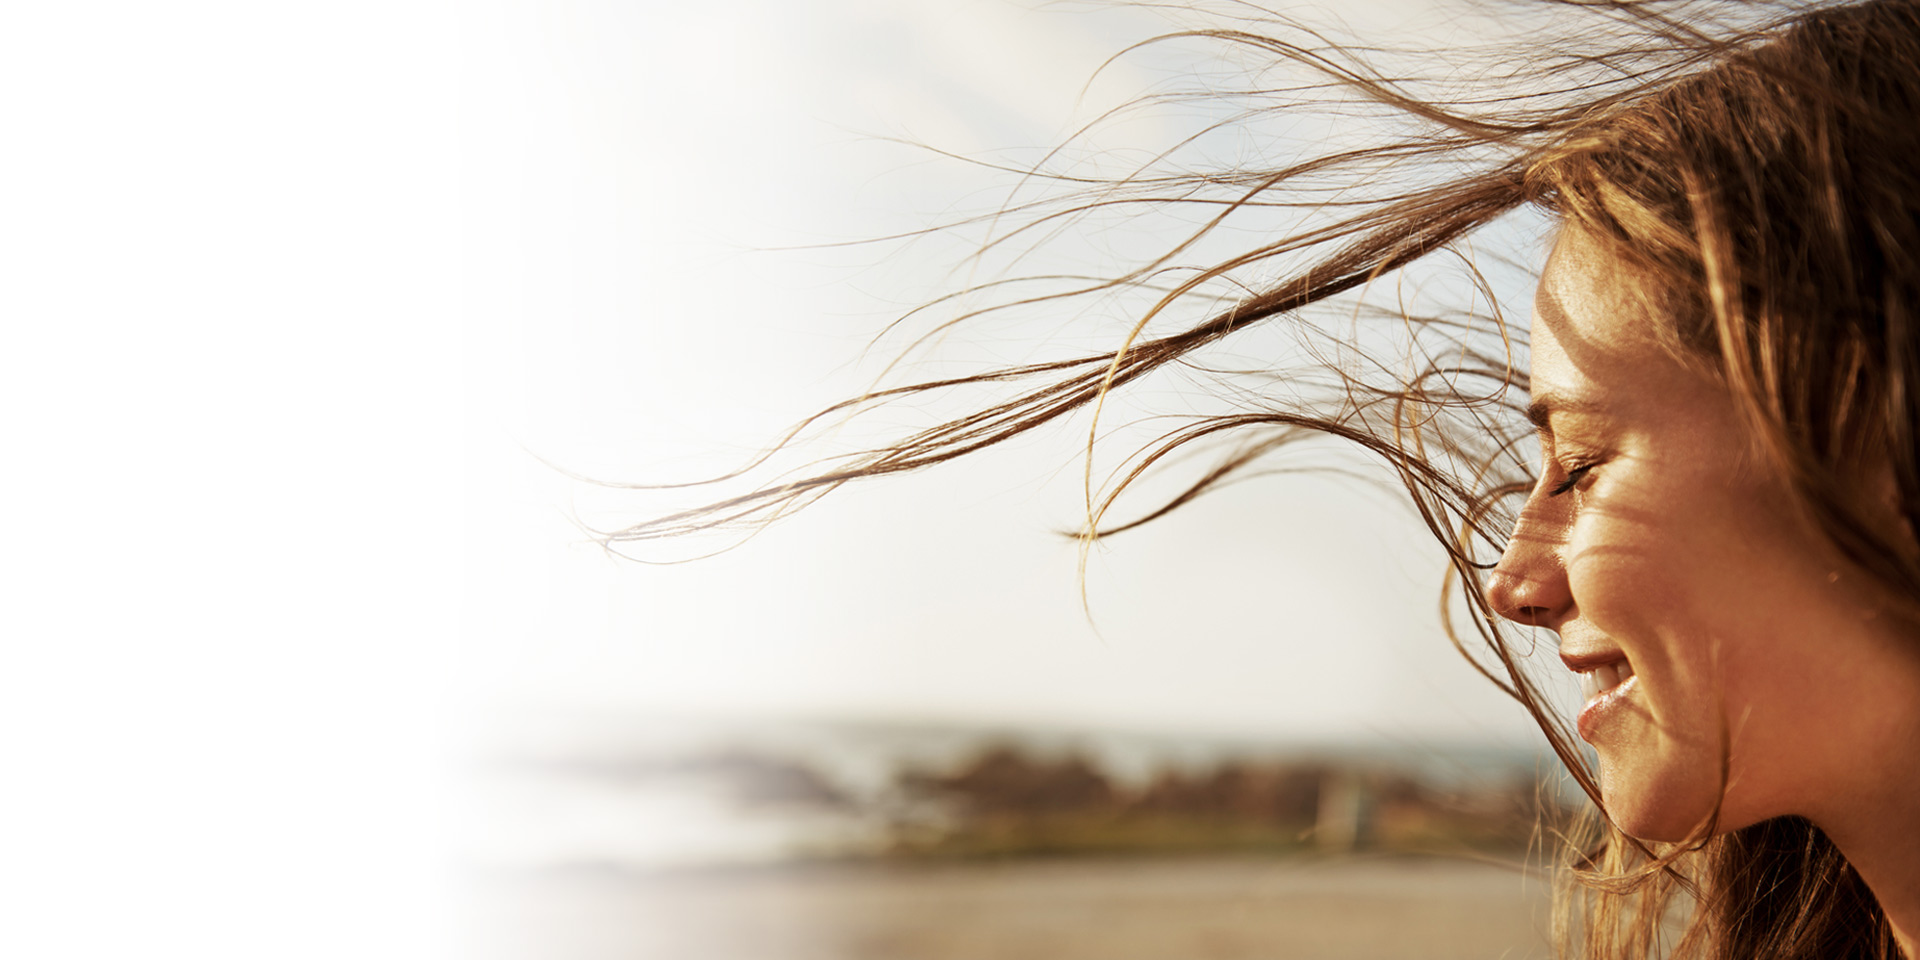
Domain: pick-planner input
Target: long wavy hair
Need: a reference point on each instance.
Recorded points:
(1753, 169)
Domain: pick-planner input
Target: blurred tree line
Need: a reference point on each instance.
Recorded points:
(1007, 802)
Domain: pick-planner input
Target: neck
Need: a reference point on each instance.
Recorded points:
(1883, 845)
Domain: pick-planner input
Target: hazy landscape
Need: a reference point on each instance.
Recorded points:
(886, 843)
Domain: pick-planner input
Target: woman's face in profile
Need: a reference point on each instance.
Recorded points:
(1709, 619)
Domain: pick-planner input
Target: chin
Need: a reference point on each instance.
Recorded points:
(1651, 826)
(1661, 806)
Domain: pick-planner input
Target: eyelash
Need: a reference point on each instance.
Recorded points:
(1575, 474)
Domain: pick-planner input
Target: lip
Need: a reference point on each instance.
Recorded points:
(1581, 661)
(1596, 712)
(1601, 708)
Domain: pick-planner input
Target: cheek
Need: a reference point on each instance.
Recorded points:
(1655, 595)
(1665, 564)
(1713, 601)
(1630, 584)
(1667, 586)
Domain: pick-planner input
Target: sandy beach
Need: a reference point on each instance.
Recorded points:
(1094, 909)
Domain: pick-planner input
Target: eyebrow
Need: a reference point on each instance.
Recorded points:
(1549, 402)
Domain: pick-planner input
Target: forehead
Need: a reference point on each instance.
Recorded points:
(1599, 347)
(1592, 334)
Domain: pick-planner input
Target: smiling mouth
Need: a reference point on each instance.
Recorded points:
(1602, 678)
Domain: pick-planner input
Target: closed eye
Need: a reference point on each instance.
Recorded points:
(1574, 476)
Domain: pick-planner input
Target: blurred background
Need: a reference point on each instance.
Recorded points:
(313, 308)
(887, 726)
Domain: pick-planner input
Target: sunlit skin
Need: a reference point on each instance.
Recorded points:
(1677, 550)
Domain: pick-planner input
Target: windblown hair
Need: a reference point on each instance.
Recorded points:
(1753, 168)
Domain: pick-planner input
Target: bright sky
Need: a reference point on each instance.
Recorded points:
(232, 390)
(623, 159)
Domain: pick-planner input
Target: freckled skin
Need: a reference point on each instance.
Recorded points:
(1685, 555)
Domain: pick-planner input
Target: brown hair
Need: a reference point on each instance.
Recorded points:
(1752, 166)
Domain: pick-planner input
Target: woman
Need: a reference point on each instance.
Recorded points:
(1725, 383)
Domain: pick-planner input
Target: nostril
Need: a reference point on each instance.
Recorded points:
(1507, 594)
(1529, 586)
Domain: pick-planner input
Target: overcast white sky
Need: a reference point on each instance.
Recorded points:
(624, 157)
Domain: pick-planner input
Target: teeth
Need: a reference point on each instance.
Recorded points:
(1603, 678)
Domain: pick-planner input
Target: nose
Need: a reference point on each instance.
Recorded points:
(1529, 585)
